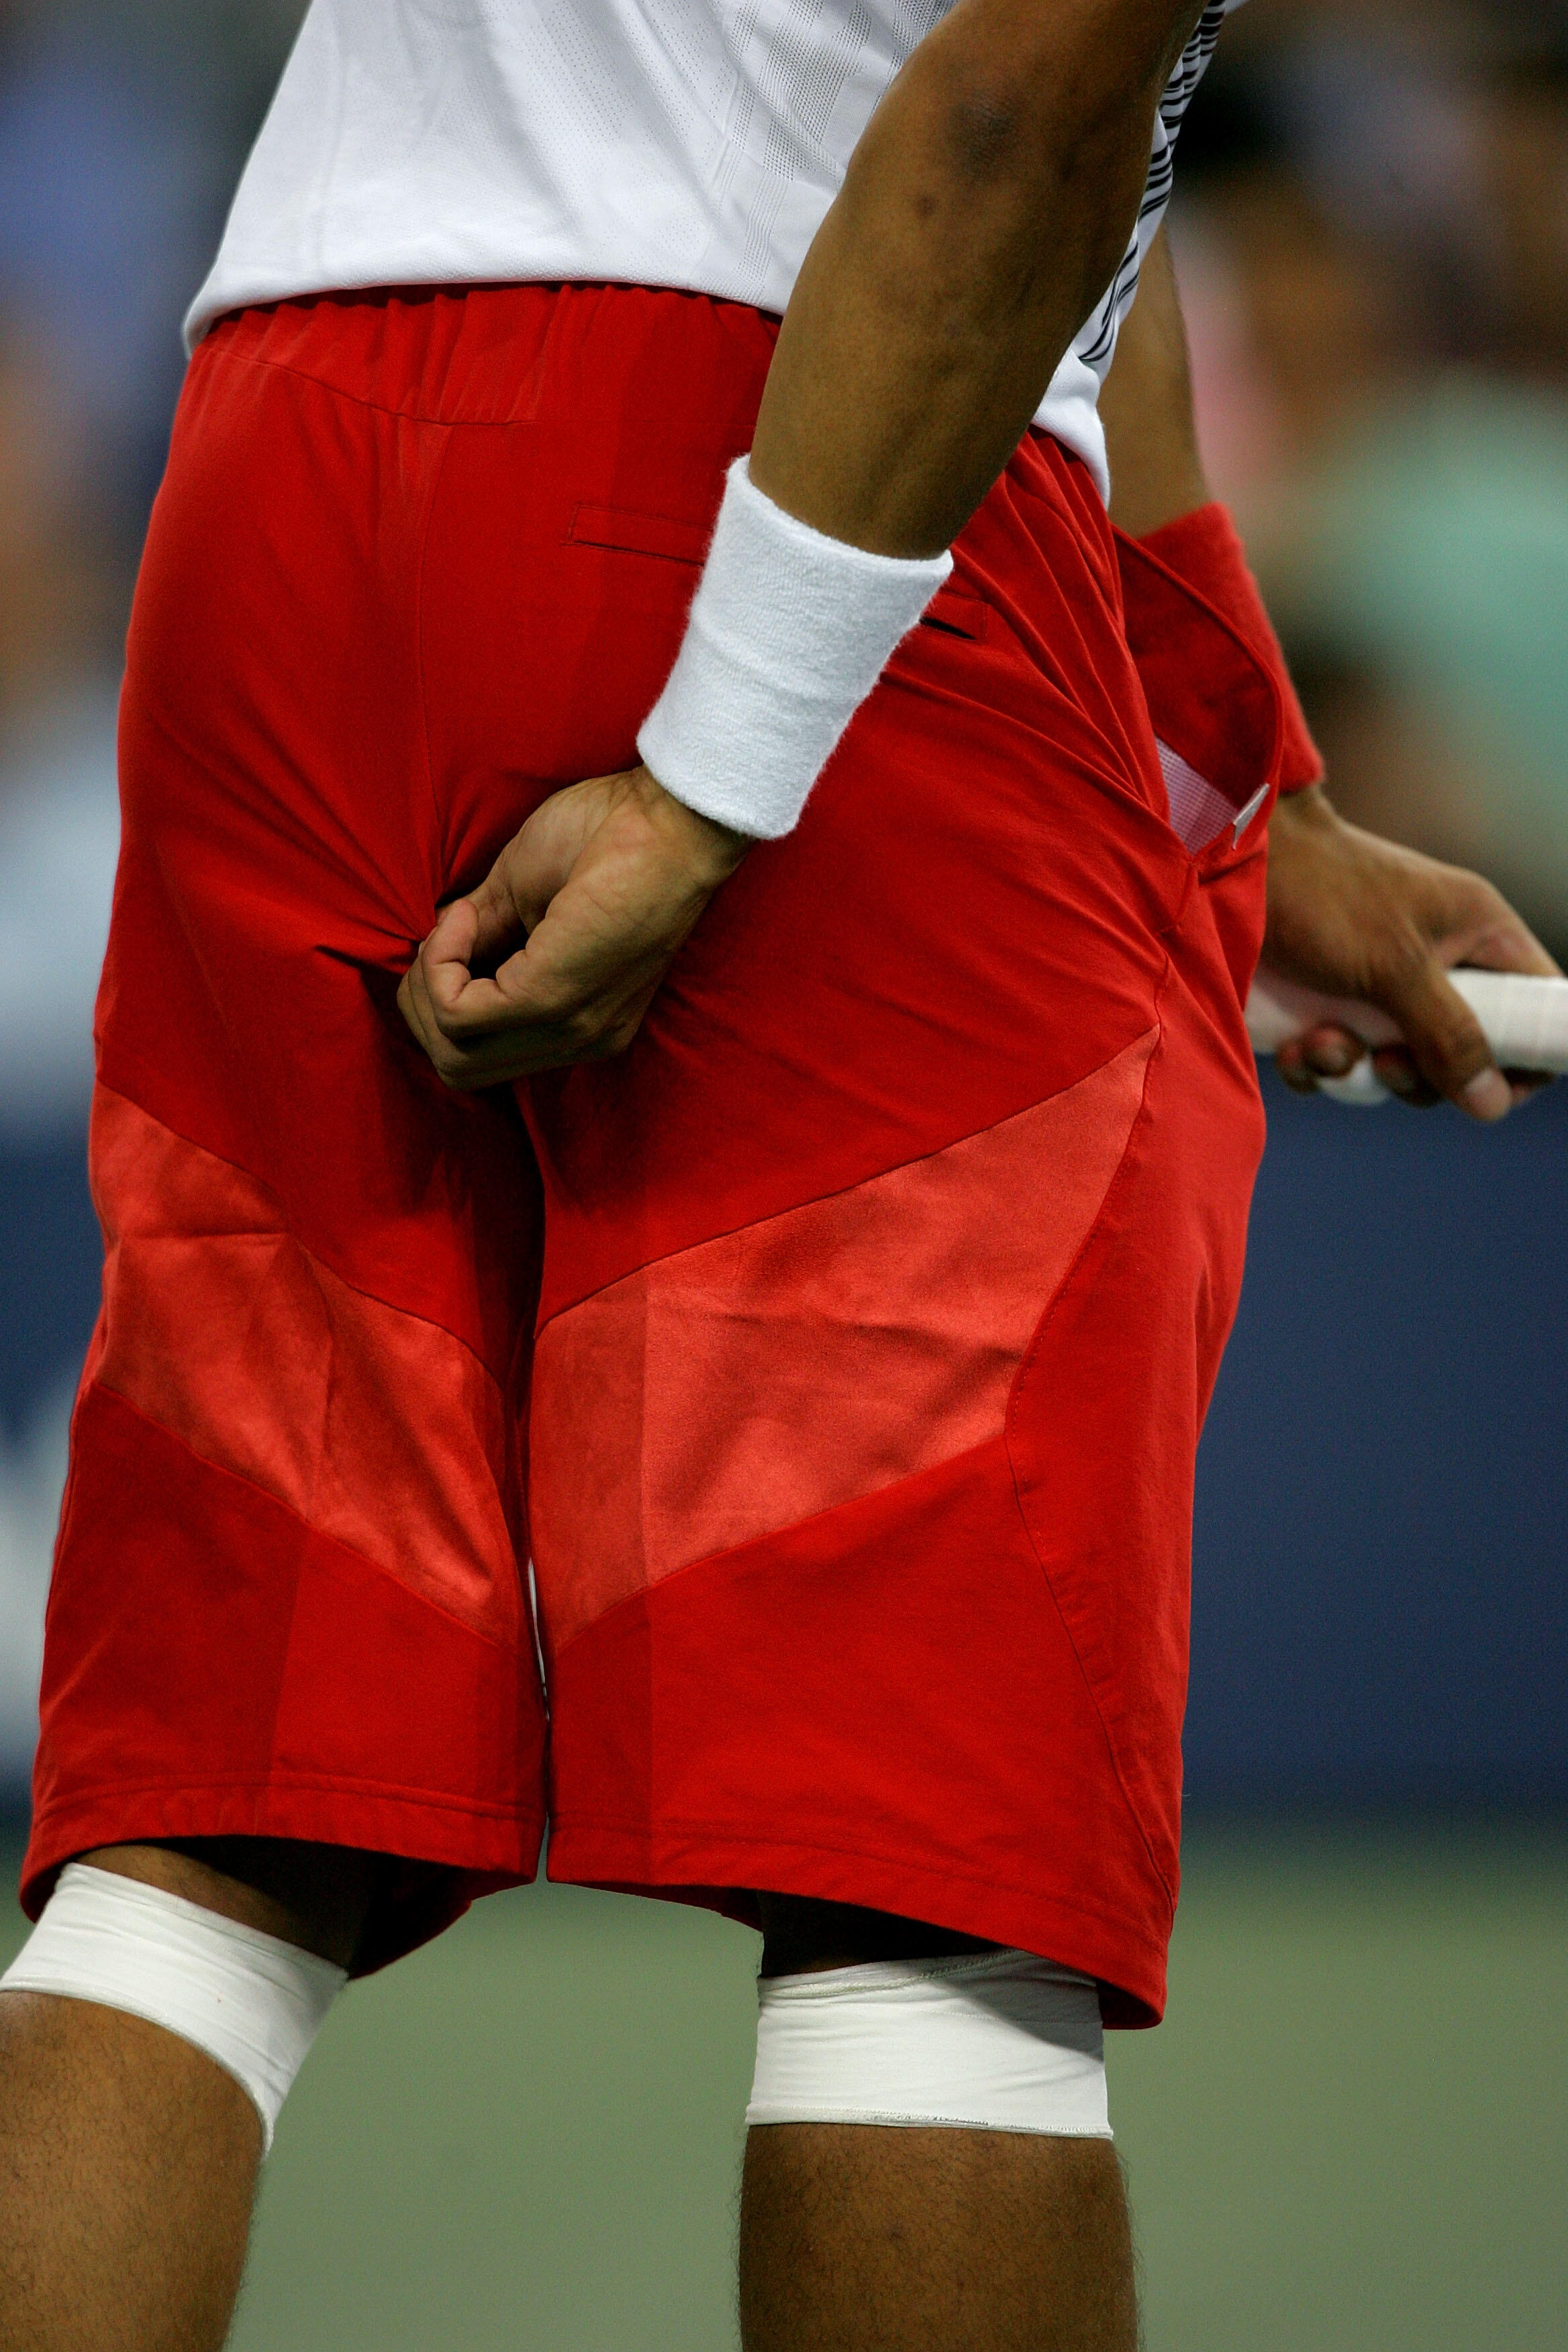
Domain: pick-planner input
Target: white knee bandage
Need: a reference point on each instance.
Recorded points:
(252, 2002)
(1000, 2042)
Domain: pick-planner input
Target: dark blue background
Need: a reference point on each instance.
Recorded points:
(50, 1257)
(1381, 1554)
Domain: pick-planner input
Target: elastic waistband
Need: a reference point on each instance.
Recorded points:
(491, 354)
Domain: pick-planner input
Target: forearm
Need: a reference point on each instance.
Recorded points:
(985, 211)
(1146, 407)
(1158, 493)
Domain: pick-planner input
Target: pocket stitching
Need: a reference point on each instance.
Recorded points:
(625, 530)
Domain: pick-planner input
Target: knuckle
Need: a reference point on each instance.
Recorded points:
(1406, 959)
(1490, 903)
(1460, 1043)
(584, 1033)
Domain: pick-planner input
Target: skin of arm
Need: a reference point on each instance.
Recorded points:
(928, 316)
(1146, 407)
(984, 214)
(1348, 913)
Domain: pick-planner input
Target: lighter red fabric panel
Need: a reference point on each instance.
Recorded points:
(380, 1429)
(216, 1668)
(873, 1707)
(742, 1385)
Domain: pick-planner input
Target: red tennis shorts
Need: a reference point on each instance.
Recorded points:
(838, 1354)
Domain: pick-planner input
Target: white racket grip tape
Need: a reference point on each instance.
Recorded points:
(1524, 1018)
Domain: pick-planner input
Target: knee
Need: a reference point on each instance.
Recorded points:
(236, 1947)
(864, 2019)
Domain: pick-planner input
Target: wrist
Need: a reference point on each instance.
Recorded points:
(789, 632)
(1307, 808)
(711, 850)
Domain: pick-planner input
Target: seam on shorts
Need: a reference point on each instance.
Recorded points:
(325, 1783)
(437, 814)
(1020, 1376)
(339, 392)
(285, 1227)
(838, 1191)
(675, 1576)
(376, 1567)
(668, 1822)
(377, 408)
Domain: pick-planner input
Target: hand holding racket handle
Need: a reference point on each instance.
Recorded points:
(1525, 1020)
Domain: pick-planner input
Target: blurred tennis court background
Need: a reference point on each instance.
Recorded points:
(1352, 2133)
(1347, 2138)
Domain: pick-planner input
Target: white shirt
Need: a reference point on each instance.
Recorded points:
(695, 143)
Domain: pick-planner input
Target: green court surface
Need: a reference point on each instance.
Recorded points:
(1351, 2135)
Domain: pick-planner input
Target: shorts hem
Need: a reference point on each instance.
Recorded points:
(456, 1851)
(720, 1869)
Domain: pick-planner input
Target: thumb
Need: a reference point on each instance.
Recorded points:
(1446, 1042)
(454, 936)
(536, 865)
(487, 923)
(497, 916)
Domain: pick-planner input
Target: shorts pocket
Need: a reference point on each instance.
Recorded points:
(957, 612)
(629, 532)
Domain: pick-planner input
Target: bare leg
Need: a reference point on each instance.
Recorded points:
(128, 2158)
(857, 2238)
(867, 2238)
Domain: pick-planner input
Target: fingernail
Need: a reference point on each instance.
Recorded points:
(1329, 1053)
(1487, 1095)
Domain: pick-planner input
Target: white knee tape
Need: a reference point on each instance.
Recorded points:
(997, 2041)
(252, 2002)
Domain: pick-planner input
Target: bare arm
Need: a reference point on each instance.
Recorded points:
(984, 213)
(1349, 913)
(1146, 407)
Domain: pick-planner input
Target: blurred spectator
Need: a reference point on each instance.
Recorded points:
(120, 133)
(1374, 240)
(58, 836)
(58, 814)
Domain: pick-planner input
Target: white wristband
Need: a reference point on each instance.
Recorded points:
(788, 633)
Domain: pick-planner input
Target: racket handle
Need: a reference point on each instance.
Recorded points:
(1525, 1020)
